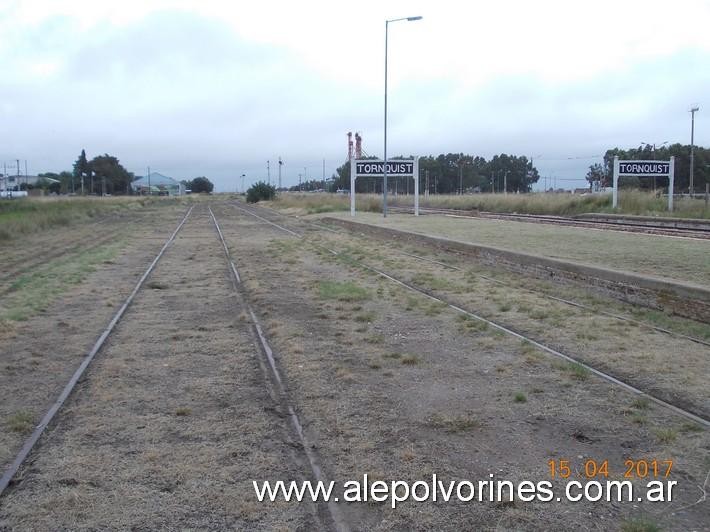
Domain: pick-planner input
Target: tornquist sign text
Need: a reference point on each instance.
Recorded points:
(644, 168)
(376, 168)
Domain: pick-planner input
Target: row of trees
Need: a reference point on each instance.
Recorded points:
(601, 175)
(103, 174)
(450, 173)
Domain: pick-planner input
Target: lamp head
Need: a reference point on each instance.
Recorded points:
(410, 19)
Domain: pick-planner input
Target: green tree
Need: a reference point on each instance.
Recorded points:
(109, 176)
(596, 174)
(81, 168)
(201, 184)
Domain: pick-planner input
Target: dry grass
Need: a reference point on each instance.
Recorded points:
(24, 216)
(631, 202)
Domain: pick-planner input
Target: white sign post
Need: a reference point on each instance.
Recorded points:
(643, 169)
(375, 168)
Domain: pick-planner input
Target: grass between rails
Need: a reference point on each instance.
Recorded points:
(342, 291)
(631, 202)
(34, 291)
(21, 217)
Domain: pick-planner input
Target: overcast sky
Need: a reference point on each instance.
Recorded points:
(195, 88)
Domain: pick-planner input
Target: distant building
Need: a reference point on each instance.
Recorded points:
(15, 182)
(158, 185)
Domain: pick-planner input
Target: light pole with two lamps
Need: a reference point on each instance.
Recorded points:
(384, 170)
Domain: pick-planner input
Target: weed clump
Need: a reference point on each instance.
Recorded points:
(260, 192)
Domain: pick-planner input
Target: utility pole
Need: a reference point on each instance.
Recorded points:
(243, 176)
(691, 186)
(281, 163)
(505, 183)
(26, 176)
(323, 174)
(460, 178)
(268, 173)
(300, 189)
(149, 190)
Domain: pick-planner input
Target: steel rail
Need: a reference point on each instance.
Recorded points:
(529, 290)
(29, 444)
(605, 376)
(336, 516)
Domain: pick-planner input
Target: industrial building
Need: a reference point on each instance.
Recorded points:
(158, 184)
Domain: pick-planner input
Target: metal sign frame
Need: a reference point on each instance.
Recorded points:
(643, 169)
(392, 170)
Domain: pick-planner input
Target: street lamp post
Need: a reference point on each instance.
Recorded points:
(243, 176)
(693, 110)
(384, 169)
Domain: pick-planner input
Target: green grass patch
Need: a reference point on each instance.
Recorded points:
(639, 525)
(578, 371)
(375, 339)
(520, 398)
(666, 435)
(34, 291)
(641, 403)
(342, 291)
(411, 360)
(433, 282)
(366, 317)
(21, 422)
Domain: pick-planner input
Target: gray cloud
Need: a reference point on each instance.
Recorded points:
(187, 96)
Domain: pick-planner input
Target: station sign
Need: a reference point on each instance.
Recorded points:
(644, 168)
(374, 168)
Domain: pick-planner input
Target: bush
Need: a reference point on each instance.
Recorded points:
(260, 191)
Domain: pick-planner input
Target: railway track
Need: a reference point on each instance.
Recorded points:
(327, 514)
(575, 304)
(30, 443)
(277, 387)
(539, 343)
(621, 224)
